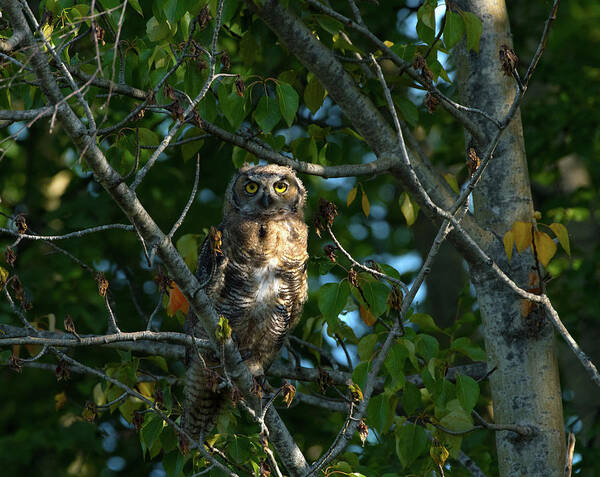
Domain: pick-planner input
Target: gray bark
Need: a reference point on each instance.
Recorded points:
(525, 387)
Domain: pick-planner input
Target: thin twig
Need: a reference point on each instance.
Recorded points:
(156, 309)
(569, 454)
(189, 203)
(76, 89)
(542, 44)
(76, 234)
(178, 123)
(404, 66)
(372, 271)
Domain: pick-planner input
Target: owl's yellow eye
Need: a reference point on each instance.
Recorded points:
(280, 187)
(251, 187)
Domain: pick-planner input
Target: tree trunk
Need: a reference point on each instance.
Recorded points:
(525, 386)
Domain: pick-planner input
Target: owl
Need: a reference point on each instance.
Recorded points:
(253, 269)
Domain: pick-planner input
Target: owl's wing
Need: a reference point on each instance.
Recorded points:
(202, 402)
(208, 256)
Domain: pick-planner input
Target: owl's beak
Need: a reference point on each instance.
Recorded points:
(266, 200)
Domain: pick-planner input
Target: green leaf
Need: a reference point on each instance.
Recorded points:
(232, 106)
(407, 110)
(314, 94)
(207, 109)
(465, 346)
(174, 10)
(425, 323)
(332, 298)
(438, 70)
(375, 292)
(410, 348)
(230, 7)
(411, 398)
(454, 29)
(425, 33)
(359, 375)
(457, 419)
(380, 411)
(156, 30)
(187, 246)
(267, 113)
(158, 361)
(467, 391)
(426, 13)
(238, 448)
(427, 346)
(173, 464)
(135, 4)
(189, 149)
(474, 28)
(405, 51)
(249, 48)
(329, 24)
(288, 101)
(240, 156)
(148, 137)
(151, 429)
(411, 442)
(366, 346)
(394, 364)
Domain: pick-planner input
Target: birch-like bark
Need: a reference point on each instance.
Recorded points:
(525, 387)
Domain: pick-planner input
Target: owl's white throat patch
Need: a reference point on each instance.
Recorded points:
(268, 282)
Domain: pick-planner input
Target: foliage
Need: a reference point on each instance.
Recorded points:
(82, 425)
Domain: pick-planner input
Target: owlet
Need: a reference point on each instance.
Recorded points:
(253, 269)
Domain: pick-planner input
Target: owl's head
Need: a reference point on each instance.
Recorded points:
(269, 190)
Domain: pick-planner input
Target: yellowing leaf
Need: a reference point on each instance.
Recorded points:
(146, 388)
(351, 196)
(509, 242)
(545, 247)
(562, 235)
(452, 182)
(3, 276)
(522, 235)
(47, 30)
(356, 392)
(439, 453)
(223, 331)
(409, 209)
(99, 395)
(367, 316)
(388, 43)
(60, 400)
(177, 302)
(366, 207)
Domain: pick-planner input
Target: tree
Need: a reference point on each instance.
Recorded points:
(110, 93)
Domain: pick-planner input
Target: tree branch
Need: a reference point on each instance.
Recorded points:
(151, 234)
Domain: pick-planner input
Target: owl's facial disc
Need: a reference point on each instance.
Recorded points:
(266, 194)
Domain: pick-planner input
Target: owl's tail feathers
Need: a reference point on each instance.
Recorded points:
(202, 401)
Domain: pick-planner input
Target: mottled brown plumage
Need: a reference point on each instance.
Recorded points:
(257, 280)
